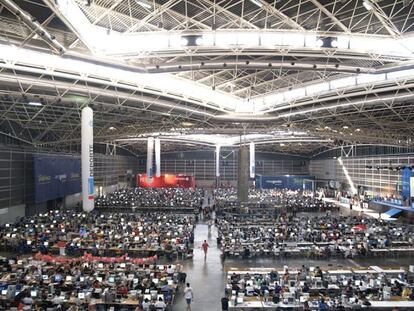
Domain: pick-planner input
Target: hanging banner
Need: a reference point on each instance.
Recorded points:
(252, 161)
(150, 154)
(88, 188)
(157, 157)
(405, 181)
(217, 160)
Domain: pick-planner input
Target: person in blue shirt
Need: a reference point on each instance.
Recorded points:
(322, 305)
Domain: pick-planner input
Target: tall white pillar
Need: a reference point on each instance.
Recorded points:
(88, 188)
(157, 157)
(150, 155)
(252, 161)
(217, 160)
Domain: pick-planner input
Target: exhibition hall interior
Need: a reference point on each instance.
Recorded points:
(206, 155)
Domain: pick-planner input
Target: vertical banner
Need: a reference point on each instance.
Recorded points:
(150, 154)
(157, 157)
(405, 181)
(88, 188)
(252, 160)
(217, 160)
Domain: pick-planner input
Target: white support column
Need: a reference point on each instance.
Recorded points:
(217, 160)
(150, 155)
(88, 187)
(252, 165)
(157, 157)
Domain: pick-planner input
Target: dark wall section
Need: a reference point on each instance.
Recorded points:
(201, 164)
(17, 177)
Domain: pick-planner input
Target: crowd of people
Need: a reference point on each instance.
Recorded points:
(284, 200)
(151, 197)
(319, 237)
(30, 284)
(315, 289)
(137, 234)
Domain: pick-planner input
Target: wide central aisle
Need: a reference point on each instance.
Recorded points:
(206, 277)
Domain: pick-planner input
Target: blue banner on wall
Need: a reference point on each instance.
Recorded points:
(405, 182)
(56, 177)
(294, 182)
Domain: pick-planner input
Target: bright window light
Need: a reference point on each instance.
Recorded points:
(208, 39)
(295, 93)
(400, 74)
(247, 38)
(270, 39)
(345, 82)
(348, 177)
(367, 78)
(342, 42)
(293, 39)
(225, 39)
(317, 88)
(311, 41)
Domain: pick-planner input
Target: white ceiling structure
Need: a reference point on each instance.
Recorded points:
(206, 72)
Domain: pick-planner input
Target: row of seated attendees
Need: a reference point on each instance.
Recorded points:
(315, 289)
(284, 199)
(161, 233)
(319, 237)
(151, 197)
(38, 285)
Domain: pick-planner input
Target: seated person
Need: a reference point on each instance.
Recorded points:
(160, 305)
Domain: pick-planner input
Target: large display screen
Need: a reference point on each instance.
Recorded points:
(166, 181)
(294, 182)
(56, 177)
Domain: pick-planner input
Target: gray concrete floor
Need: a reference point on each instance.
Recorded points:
(206, 277)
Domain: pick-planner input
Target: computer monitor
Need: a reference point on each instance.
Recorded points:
(46, 243)
(147, 296)
(99, 279)
(81, 295)
(122, 265)
(155, 281)
(4, 292)
(69, 278)
(29, 242)
(33, 293)
(135, 281)
(111, 279)
(58, 278)
(357, 283)
(100, 265)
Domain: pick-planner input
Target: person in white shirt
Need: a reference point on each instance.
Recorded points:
(160, 305)
(145, 304)
(189, 296)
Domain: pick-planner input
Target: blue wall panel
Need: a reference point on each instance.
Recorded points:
(284, 182)
(56, 177)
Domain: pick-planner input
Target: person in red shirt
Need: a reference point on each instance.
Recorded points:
(205, 247)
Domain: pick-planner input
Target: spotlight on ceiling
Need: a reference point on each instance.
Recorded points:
(144, 4)
(367, 5)
(183, 41)
(199, 41)
(191, 40)
(327, 42)
(34, 103)
(257, 2)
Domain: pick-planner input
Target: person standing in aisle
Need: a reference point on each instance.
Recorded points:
(205, 247)
(189, 296)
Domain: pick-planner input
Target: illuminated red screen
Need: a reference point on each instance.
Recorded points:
(166, 181)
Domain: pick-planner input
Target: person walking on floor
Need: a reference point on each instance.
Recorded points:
(205, 247)
(189, 296)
